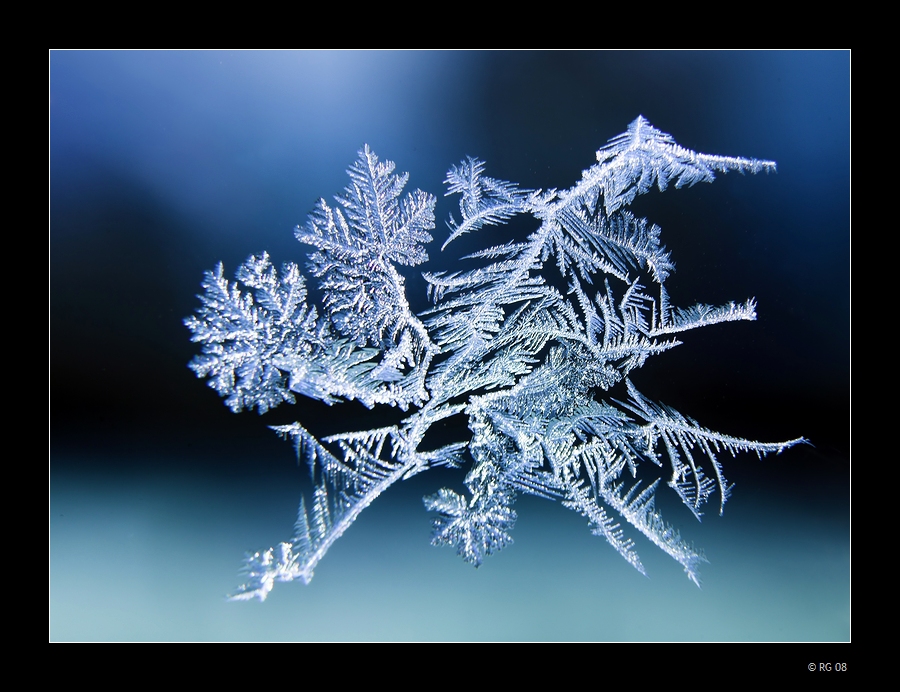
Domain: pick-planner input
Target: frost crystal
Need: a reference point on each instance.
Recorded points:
(526, 362)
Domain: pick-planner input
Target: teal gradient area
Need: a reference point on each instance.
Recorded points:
(143, 554)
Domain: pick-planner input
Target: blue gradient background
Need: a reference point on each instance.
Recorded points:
(163, 164)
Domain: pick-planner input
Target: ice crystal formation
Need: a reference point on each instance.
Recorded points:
(532, 365)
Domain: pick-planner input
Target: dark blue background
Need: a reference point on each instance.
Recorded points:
(163, 164)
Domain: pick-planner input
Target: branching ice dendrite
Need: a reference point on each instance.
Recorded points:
(526, 363)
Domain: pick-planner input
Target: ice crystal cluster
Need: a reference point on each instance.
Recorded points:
(535, 366)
